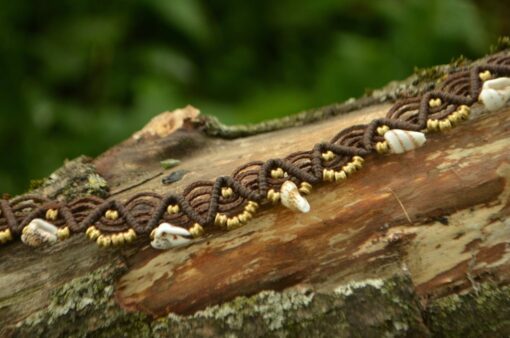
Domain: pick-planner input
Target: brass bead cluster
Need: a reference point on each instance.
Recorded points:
(51, 214)
(173, 209)
(112, 215)
(328, 155)
(5, 236)
(305, 188)
(382, 147)
(104, 240)
(461, 114)
(226, 192)
(484, 76)
(330, 175)
(196, 230)
(277, 173)
(223, 220)
(433, 103)
(63, 233)
(273, 196)
(381, 130)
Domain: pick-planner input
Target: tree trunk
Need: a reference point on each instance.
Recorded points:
(412, 245)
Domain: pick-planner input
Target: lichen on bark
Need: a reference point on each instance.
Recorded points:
(484, 312)
(74, 179)
(388, 308)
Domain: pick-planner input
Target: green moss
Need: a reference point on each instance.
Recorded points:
(85, 307)
(36, 184)
(481, 313)
(74, 179)
(375, 308)
(502, 44)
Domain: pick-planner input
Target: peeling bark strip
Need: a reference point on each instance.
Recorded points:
(439, 213)
(230, 201)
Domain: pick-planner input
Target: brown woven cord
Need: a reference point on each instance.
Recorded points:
(203, 202)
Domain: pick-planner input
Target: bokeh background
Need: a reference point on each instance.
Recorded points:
(79, 76)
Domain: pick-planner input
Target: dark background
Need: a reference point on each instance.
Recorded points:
(79, 76)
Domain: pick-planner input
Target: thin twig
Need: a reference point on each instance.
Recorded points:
(401, 205)
(137, 184)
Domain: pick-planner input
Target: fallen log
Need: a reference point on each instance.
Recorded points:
(406, 246)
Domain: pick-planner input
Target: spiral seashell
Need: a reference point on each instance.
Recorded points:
(39, 232)
(401, 141)
(292, 199)
(167, 236)
(495, 93)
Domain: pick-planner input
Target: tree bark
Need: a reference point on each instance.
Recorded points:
(412, 245)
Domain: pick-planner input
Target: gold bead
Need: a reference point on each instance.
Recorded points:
(233, 222)
(253, 204)
(248, 215)
(381, 130)
(349, 168)
(305, 188)
(196, 230)
(111, 215)
(277, 173)
(226, 192)
(173, 209)
(104, 241)
(328, 155)
(5, 236)
(273, 196)
(251, 207)
(340, 176)
(129, 236)
(153, 233)
(357, 158)
(484, 76)
(117, 239)
(382, 147)
(63, 233)
(243, 218)
(92, 233)
(435, 102)
(432, 125)
(464, 112)
(357, 163)
(445, 125)
(328, 175)
(51, 214)
(220, 219)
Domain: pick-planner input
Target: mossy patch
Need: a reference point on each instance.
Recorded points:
(388, 308)
(74, 179)
(481, 313)
(85, 307)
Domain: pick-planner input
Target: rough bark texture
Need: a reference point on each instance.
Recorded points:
(414, 245)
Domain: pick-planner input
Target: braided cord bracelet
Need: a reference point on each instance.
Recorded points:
(231, 201)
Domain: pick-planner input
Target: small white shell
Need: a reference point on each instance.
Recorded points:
(495, 93)
(39, 232)
(167, 236)
(403, 140)
(292, 199)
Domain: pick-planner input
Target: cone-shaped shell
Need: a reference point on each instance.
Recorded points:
(292, 199)
(401, 141)
(167, 236)
(39, 232)
(495, 93)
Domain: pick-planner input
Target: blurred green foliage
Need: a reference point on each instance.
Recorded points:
(79, 76)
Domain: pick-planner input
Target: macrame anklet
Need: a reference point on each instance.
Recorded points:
(231, 201)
